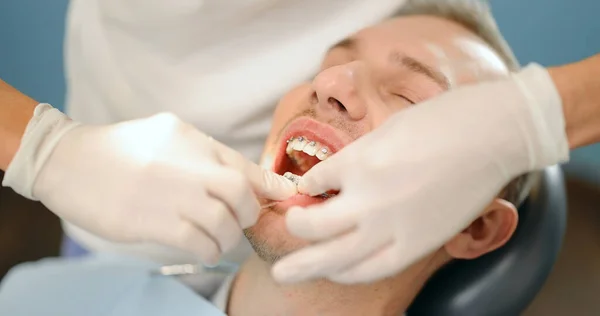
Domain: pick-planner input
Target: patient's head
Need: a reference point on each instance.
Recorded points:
(364, 79)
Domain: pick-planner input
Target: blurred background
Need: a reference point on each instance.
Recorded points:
(549, 32)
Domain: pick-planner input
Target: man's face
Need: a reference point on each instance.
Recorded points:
(363, 80)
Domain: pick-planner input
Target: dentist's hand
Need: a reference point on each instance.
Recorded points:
(422, 177)
(155, 179)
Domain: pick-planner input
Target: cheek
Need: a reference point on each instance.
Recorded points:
(292, 104)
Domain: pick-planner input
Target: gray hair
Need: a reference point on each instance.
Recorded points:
(475, 15)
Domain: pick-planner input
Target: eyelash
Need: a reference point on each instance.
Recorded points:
(405, 98)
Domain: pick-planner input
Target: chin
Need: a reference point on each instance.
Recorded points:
(270, 238)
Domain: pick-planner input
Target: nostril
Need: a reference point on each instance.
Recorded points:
(336, 103)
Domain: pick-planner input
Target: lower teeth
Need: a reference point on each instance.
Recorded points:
(292, 177)
(296, 179)
(327, 195)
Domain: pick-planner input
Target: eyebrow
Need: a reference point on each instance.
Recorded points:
(408, 62)
(347, 43)
(421, 68)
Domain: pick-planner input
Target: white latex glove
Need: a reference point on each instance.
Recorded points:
(150, 180)
(422, 177)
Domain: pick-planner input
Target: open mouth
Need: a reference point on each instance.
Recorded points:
(304, 144)
(301, 154)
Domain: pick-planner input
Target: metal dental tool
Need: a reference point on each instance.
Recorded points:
(177, 270)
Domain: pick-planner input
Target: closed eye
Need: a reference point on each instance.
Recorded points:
(406, 99)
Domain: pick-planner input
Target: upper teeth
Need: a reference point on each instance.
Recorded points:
(310, 147)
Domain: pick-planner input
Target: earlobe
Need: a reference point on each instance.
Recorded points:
(487, 233)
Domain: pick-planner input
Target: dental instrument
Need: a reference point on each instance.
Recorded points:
(191, 269)
(222, 267)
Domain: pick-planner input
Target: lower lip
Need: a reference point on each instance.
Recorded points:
(299, 200)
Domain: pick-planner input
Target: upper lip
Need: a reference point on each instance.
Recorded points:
(314, 131)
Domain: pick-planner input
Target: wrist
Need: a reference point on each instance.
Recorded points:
(16, 109)
(542, 118)
(579, 87)
(42, 134)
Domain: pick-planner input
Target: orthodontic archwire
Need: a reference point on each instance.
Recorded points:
(296, 179)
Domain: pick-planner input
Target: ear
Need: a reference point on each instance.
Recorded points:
(487, 233)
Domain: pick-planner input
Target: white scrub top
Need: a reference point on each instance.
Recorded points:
(220, 65)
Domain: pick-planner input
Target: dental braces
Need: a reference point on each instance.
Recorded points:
(296, 180)
(292, 177)
(309, 147)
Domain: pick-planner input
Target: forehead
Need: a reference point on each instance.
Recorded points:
(432, 40)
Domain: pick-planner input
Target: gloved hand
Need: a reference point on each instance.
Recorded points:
(422, 177)
(155, 179)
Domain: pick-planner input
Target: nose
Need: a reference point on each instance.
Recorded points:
(342, 88)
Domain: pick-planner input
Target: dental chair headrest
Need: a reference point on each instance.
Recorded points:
(505, 281)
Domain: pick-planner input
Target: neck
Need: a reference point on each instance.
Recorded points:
(254, 292)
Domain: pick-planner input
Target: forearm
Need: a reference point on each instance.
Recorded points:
(579, 87)
(16, 110)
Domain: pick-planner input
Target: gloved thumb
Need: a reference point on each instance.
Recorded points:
(323, 177)
(322, 221)
(265, 183)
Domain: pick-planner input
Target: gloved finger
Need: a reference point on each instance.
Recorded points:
(265, 183)
(323, 177)
(231, 187)
(322, 221)
(270, 185)
(188, 237)
(326, 258)
(216, 219)
(384, 263)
